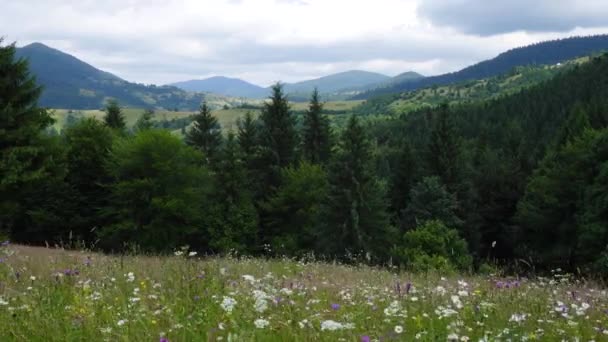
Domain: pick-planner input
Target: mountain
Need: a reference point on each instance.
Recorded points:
(404, 77)
(71, 83)
(550, 52)
(348, 81)
(223, 86)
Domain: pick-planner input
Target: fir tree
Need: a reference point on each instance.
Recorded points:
(402, 179)
(444, 153)
(25, 162)
(144, 122)
(356, 220)
(114, 116)
(206, 134)
(278, 137)
(234, 218)
(316, 132)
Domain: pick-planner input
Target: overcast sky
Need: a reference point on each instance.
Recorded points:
(262, 41)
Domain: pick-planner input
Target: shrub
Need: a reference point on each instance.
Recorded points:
(433, 246)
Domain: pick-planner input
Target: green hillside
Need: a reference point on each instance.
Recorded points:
(466, 92)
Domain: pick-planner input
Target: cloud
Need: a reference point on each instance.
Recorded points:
(485, 17)
(262, 41)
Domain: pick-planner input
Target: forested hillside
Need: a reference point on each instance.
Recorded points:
(450, 187)
(550, 52)
(73, 84)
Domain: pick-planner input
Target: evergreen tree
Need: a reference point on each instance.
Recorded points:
(114, 116)
(234, 219)
(402, 180)
(278, 135)
(206, 133)
(429, 200)
(25, 161)
(355, 214)
(144, 122)
(444, 150)
(248, 135)
(316, 132)
(294, 209)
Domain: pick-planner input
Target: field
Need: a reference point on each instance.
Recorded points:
(226, 117)
(58, 295)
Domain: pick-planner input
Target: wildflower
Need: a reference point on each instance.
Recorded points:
(130, 277)
(192, 254)
(398, 329)
(453, 337)
(107, 330)
(121, 322)
(518, 318)
(365, 338)
(408, 287)
(456, 301)
(164, 339)
(333, 325)
(261, 323)
(178, 253)
(335, 307)
(249, 278)
(3, 302)
(228, 304)
(5, 243)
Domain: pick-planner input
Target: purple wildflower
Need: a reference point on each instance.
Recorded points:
(499, 284)
(197, 298)
(335, 307)
(365, 338)
(6, 243)
(408, 287)
(88, 261)
(164, 339)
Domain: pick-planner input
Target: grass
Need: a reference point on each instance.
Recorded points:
(60, 295)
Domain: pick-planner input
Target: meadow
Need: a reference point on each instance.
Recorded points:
(61, 295)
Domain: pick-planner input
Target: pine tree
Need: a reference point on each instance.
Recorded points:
(316, 132)
(444, 152)
(25, 162)
(278, 135)
(114, 116)
(355, 215)
(206, 134)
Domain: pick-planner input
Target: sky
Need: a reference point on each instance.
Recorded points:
(264, 41)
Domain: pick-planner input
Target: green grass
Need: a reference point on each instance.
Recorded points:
(141, 298)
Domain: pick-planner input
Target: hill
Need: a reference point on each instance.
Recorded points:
(550, 52)
(71, 83)
(344, 83)
(466, 92)
(224, 86)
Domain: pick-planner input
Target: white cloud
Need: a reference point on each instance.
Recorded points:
(161, 41)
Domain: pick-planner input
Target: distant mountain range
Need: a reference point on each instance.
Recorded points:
(550, 52)
(71, 83)
(341, 84)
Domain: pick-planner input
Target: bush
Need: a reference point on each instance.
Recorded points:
(433, 246)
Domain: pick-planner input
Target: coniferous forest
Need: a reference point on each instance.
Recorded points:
(519, 181)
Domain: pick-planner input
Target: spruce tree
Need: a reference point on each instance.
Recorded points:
(248, 135)
(234, 220)
(402, 180)
(444, 151)
(278, 135)
(114, 116)
(355, 215)
(316, 132)
(145, 121)
(206, 134)
(25, 162)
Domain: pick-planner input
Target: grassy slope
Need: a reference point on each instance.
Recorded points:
(142, 298)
